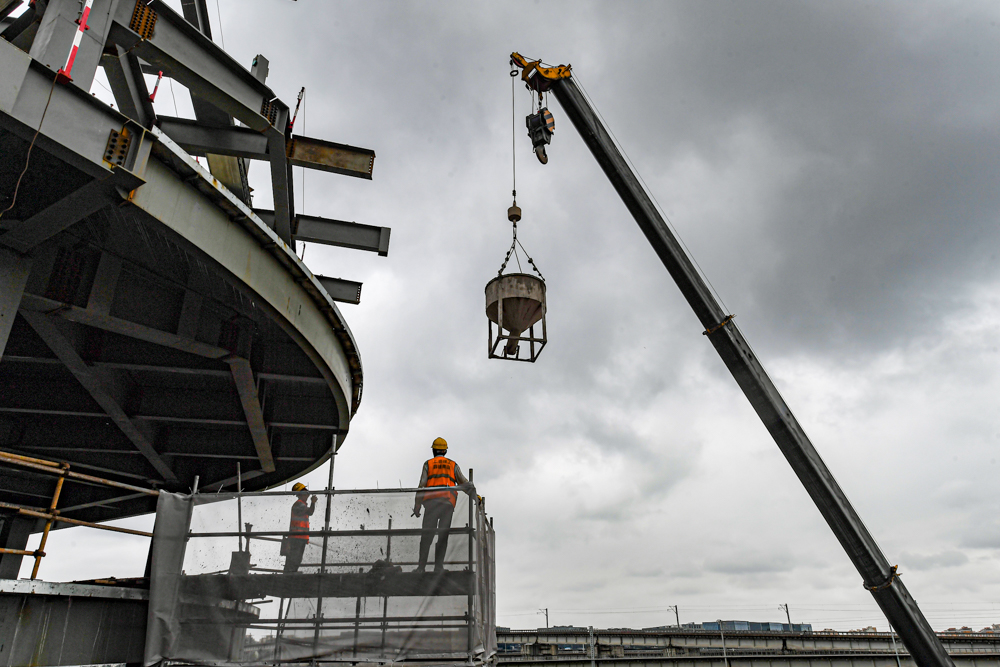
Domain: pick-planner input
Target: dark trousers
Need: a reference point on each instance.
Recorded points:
(294, 556)
(437, 522)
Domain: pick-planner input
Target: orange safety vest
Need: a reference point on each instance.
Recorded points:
(441, 472)
(299, 524)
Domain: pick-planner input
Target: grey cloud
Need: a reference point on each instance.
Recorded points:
(750, 564)
(934, 561)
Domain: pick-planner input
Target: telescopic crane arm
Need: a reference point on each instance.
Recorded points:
(879, 577)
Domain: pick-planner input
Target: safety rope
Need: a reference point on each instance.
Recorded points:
(875, 588)
(27, 158)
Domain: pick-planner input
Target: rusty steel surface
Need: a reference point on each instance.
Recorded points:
(330, 156)
(524, 300)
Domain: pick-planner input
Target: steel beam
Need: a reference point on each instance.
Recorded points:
(14, 271)
(196, 13)
(199, 139)
(59, 27)
(8, 6)
(62, 348)
(247, 388)
(335, 232)
(345, 291)
(99, 320)
(24, 235)
(149, 368)
(282, 185)
(77, 126)
(332, 157)
(178, 196)
(344, 234)
(193, 59)
(128, 85)
(21, 31)
(888, 590)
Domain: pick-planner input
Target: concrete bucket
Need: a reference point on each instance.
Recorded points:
(515, 303)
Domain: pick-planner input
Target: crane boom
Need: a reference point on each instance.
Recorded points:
(879, 577)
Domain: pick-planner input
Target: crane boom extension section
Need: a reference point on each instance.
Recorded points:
(888, 590)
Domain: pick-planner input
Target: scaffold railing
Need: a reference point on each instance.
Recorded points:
(63, 473)
(233, 583)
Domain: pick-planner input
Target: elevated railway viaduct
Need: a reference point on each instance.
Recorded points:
(705, 648)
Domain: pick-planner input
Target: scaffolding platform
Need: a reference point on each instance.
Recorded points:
(223, 591)
(334, 585)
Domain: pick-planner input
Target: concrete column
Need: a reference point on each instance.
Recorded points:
(14, 270)
(14, 532)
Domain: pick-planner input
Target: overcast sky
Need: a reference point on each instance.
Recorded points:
(831, 166)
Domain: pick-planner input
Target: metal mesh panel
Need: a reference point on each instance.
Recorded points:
(225, 595)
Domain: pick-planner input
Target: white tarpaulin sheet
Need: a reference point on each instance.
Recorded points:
(223, 591)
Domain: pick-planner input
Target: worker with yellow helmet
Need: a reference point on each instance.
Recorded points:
(440, 474)
(294, 545)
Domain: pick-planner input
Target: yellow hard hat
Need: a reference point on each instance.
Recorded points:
(440, 443)
(299, 486)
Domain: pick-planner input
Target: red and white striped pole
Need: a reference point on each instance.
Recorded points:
(63, 75)
(152, 95)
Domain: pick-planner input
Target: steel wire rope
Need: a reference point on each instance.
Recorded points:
(302, 257)
(218, 13)
(701, 271)
(27, 158)
(652, 196)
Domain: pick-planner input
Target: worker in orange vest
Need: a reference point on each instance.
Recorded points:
(298, 529)
(439, 473)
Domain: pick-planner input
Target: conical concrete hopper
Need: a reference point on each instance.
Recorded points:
(515, 302)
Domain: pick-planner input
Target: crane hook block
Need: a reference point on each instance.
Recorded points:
(540, 125)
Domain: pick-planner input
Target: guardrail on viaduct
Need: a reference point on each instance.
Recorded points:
(681, 647)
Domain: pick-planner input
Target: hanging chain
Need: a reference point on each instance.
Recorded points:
(513, 251)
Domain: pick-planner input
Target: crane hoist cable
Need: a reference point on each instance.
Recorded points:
(514, 212)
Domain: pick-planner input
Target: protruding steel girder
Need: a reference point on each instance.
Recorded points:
(336, 232)
(345, 291)
(330, 156)
(247, 388)
(199, 138)
(61, 346)
(888, 590)
(128, 85)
